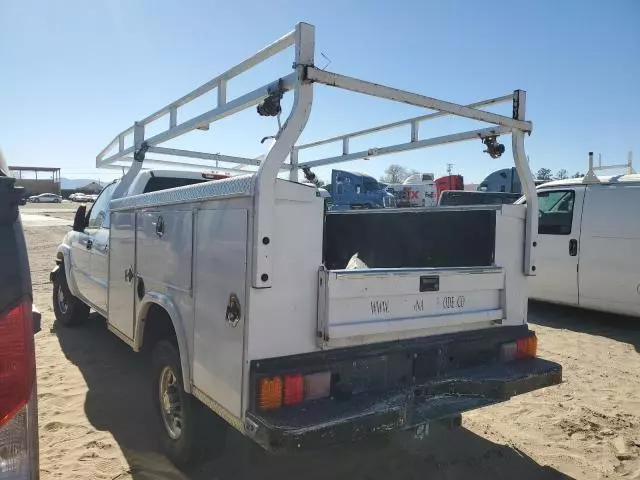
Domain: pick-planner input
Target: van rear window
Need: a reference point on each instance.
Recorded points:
(163, 183)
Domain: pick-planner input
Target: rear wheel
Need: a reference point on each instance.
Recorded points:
(68, 309)
(188, 429)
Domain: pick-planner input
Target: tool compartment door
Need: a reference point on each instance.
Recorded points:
(220, 265)
(360, 306)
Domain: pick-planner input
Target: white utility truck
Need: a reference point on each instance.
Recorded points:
(240, 288)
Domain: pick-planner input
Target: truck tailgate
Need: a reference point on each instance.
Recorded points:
(361, 306)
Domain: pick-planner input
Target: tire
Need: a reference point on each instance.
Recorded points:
(68, 309)
(200, 431)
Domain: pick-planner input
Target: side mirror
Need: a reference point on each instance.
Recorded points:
(80, 220)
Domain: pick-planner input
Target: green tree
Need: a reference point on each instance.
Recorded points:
(544, 174)
(562, 174)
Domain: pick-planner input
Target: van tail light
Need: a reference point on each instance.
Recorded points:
(292, 389)
(17, 360)
(526, 347)
(18, 407)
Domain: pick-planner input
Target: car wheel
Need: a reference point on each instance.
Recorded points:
(68, 309)
(188, 429)
(36, 200)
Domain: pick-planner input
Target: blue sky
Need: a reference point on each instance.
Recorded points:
(75, 73)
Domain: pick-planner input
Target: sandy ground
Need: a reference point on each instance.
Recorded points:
(96, 419)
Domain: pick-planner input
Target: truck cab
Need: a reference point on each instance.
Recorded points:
(417, 190)
(352, 190)
(84, 251)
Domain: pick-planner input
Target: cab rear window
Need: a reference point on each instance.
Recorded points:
(163, 183)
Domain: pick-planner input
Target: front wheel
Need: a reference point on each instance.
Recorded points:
(68, 309)
(187, 428)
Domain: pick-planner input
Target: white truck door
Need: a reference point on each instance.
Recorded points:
(220, 264)
(122, 276)
(609, 275)
(100, 265)
(98, 229)
(560, 215)
(81, 245)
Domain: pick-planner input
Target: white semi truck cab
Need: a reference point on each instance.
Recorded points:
(239, 285)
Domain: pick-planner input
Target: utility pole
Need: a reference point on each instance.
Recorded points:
(449, 168)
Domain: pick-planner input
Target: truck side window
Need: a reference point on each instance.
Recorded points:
(556, 212)
(99, 215)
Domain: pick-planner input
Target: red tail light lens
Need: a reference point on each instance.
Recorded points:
(17, 360)
(293, 389)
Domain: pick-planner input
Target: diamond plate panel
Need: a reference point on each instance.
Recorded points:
(234, 186)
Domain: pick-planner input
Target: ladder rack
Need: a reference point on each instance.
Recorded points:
(301, 82)
(591, 177)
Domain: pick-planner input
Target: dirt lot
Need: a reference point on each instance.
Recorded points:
(96, 419)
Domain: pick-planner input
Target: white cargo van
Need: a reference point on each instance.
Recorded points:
(588, 251)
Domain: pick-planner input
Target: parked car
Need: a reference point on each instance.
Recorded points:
(588, 244)
(45, 198)
(18, 323)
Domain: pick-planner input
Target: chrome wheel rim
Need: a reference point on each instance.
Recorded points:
(63, 305)
(170, 403)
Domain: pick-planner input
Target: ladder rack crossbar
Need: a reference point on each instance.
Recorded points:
(403, 147)
(409, 121)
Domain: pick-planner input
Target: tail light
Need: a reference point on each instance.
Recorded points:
(17, 360)
(269, 393)
(525, 347)
(292, 389)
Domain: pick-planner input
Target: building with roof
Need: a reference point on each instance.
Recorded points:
(37, 180)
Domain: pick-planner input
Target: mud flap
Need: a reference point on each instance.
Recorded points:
(54, 273)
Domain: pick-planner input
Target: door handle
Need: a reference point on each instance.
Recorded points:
(89, 244)
(128, 275)
(573, 247)
(159, 226)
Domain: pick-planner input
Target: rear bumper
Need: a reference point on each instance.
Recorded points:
(327, 421)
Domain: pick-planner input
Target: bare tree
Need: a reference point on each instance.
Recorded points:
(394, 174)
(562, 174)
